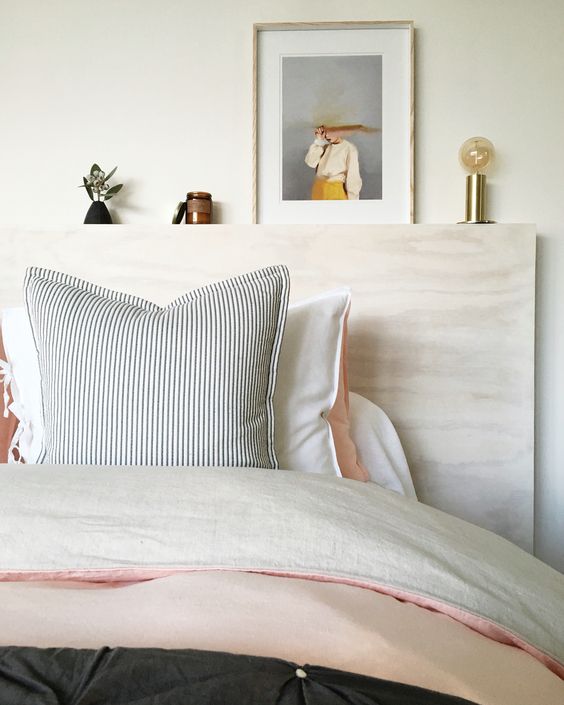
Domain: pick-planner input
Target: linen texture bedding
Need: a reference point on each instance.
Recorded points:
(66, 523)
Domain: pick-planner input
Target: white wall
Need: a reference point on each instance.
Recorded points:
(164, 91)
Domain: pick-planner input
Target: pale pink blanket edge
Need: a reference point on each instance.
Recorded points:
(131, 575)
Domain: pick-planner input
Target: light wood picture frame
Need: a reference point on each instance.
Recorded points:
(355, 81)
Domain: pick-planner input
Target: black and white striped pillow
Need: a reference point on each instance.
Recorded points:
(125, 382)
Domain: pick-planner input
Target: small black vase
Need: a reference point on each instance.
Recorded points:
(98, 214)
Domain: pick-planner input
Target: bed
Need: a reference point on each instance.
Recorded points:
(207, 577)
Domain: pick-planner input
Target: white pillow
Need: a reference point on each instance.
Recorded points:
(306, 388)
(378, 446)
(308, 381)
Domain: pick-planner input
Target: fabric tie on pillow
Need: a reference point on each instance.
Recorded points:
(12, 409)
(10, 429)
(6, 379)
(18, 348)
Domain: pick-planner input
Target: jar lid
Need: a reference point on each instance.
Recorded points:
(179, 213)
(198, 194)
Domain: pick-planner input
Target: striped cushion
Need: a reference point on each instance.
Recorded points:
(125, 382)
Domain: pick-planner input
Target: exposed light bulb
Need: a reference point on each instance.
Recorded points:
(476, 155)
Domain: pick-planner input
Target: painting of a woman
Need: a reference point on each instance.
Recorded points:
(337, 101)
(337, 172)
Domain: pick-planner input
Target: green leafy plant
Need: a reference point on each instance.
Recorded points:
(96, 184)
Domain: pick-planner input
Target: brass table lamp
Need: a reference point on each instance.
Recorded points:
(476, 156)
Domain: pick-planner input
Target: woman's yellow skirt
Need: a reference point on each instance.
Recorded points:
(328, 191)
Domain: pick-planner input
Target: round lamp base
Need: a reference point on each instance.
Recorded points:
(476, 222)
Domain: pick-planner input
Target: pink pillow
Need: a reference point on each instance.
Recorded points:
(8, 424)
(338, 419)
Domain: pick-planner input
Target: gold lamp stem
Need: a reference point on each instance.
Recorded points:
(476, 198)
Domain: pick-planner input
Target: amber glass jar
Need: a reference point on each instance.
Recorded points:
(198, 208)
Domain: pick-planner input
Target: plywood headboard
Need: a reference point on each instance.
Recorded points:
(441, 330)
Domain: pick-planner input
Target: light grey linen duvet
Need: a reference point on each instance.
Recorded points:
(131, 523)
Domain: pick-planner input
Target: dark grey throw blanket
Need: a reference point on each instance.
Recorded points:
(121, 676)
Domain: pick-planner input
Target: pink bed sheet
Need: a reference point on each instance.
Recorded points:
(334, 625)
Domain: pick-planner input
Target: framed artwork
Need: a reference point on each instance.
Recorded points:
(333, 122)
